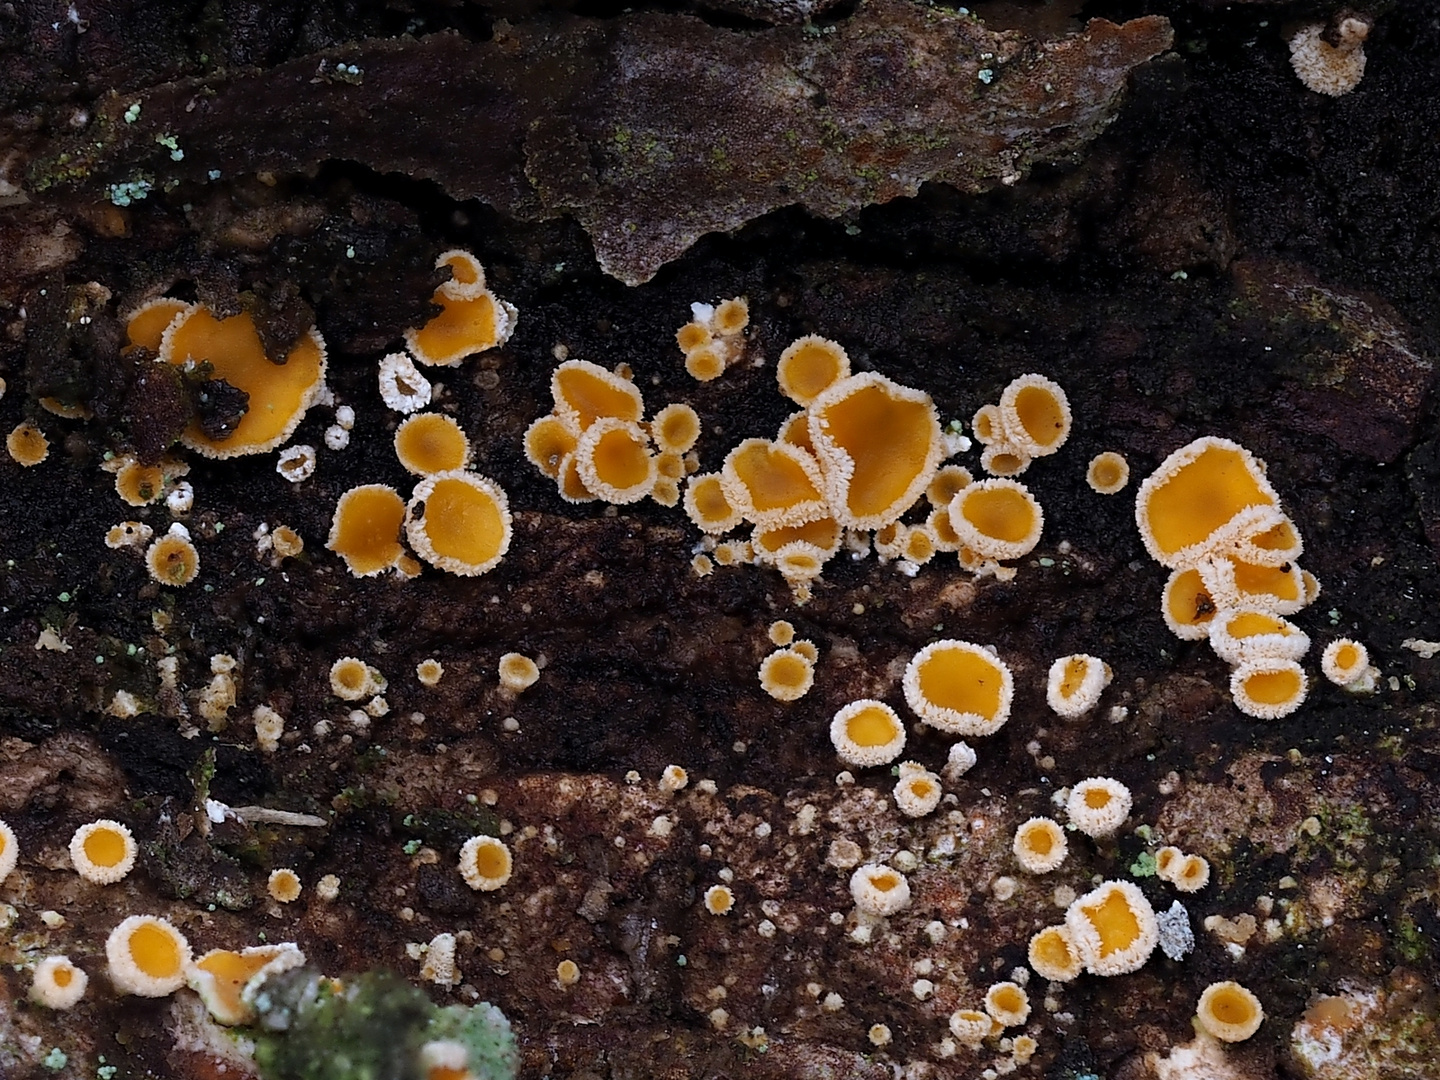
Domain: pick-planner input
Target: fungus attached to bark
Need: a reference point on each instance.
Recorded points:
(614, 461)
(128, 534)
(485, 863)
(429, 672)
(1199, 498)
(1168, 860)
(9, 850)
(1034, 413)
(1343, 661)
(221, 976)
(1229, 1012)
(430, 443)
(472, 319)
(1098, 806)
(351, 679)
(1187, 605)
(1268, 689)
(172, 558)
(705, 363)
(879, 890)
(365, 531)
(517, 673)
(146, 325)
(918, 790)
(402, 387)
(1002, 459)
(692, 336)
(547, 442)
(786, 675)
(139, 485)
(878, 444)
(296, 463)
(971, 1027)
(707, 506)
(773, 484)
(27, 445)
(806, 648)
(586, 392)
(719, 900)
(103, 851)
(1008, 1004)
(1040, 845)
(278, 394)
(1326, 67)
(58, 984)
(1108, 473)
(781, 633)
(675, 428)
(1191, 874)
(567, 974)
(810, 366)
(1113, 927)
(1281, 590)
(459, 521)
(1250, 633)
(959, 688)
(1053, 955)
(823, 534)
(949, 481)
(867, 732)
(997, 519)
(731, 316)
(1075, 684)
(147, 956)
(283, 885)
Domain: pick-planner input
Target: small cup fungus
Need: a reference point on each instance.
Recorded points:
(1034, 413)
(147, 956)
(221, 977)
(786, 675)
(1108, 473)
(485, 863)
(172, 559)
(517, 673)
(296, 463)
(1268, 689)
(806, 648)
(705, 363)
(823, 534)
(918, 790)
(472, 319)
(365, 531)
(1280, 590)
(731, 317)
(867, 732)
(459, 521)
(971, 1027)
(429, 672)
(586, 392)
(693, 335)
(283, 885)
(1003, 459)
(959, 688)
(547, 442)
(58, 983)
(103, 851)
(1192, 874)
(948, 482)
(810, 366)
(707, 506)
(567, 974)
(1040, 845)
(879, 890)
(1251, 633)
(614, 461)
(279, 393)
(430, 443)
(719, 900)
(1053, 955)
(998, 519)
(128, 534)
(9, 850)
(772, 484)
(1343, 662)
(1229, 1012)
(351, 679)
(146, 325)
(402, 387)
(1168, 860)
(675, 428)
(27, 445)
(1075, 684)
(781, 633)
(1008, 1004)
(139, 485)
(1187, 605)
(1113, 927)
(1326, 68)
(1098, 806)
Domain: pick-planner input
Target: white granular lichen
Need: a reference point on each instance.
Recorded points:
(1176, 936)
(296, 463)
(402, 387)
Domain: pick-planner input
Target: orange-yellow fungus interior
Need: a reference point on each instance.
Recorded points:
(824, 534)
(592, 394)
(921, 788)
(710, 501)
(871, 726)
(431, 443)
(1115, 922)
(1105, 472)
(788, 670)
(1075, 669)
(368, 532)
(890, 442)
(139, 484)
(796, 431)
(1051, 948)
(155, 951)
(1281, 582)
(678, 428)
(1347, 656)
(1040, 414)
(232, 970)
(233, 350)
(147, 326)
(1252, 623)
(621, 459)
(491, 861)
(1201, 496)
(961, 680)
(809, 370)
(63, 976)
(105, 847)
(1187, 599)
(1097, 798)
(1008, 999)
(774, 479)
(884, 881)
(571, 485)
(1001, 513)
(1281, 537)
(464, 270)
(174, 559)
(1230, 1006)
(1273, 687)
(462, 327)
(464, 522)
(1037, 838)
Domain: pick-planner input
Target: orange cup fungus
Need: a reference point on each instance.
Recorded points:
(103, 851)
(9, 850)
(806, 648)
(222, 976)
(1268, 689)
(772, 484)
(365, 531)
(586, 392)
(867, 732)
(1034, 415)
(614, 460)
(459, 521)
(823, 534)
(707, 506)
(283, 885)
(279, 393)
(1002, 459)
(351, 679)
(517, 673)
(1075, 684)
(1008, 1004)
(879, 890)
(1344, 662)
(997, 519)
(1040, 845)
(1249, 633)
(58, 984)
(810, 366)
(1098, 806)
(1108, 473)
(1187, 605)
(878, 444)
(1282, 590)
(27, 445)
(711, 341)
(918, 790)
(1053, 955)
(1229, 1012)
(139, 485)
(949, 481)
(547, 442)
(472, 319)
(172, 558)
(429, 443)
(959, 688)
(1190, 874)
(146, 325)
(485, 863)
(675, 428)
(781, 632)
(786, 675)
(148, 957)
(1114, 928)
(719, 900)
(971, 1027)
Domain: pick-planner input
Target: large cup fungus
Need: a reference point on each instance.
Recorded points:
(959, 688)
(1113, 927)
(997, 519)
(365, 531)
(148, 957)
(867, 732)
(459, 521)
